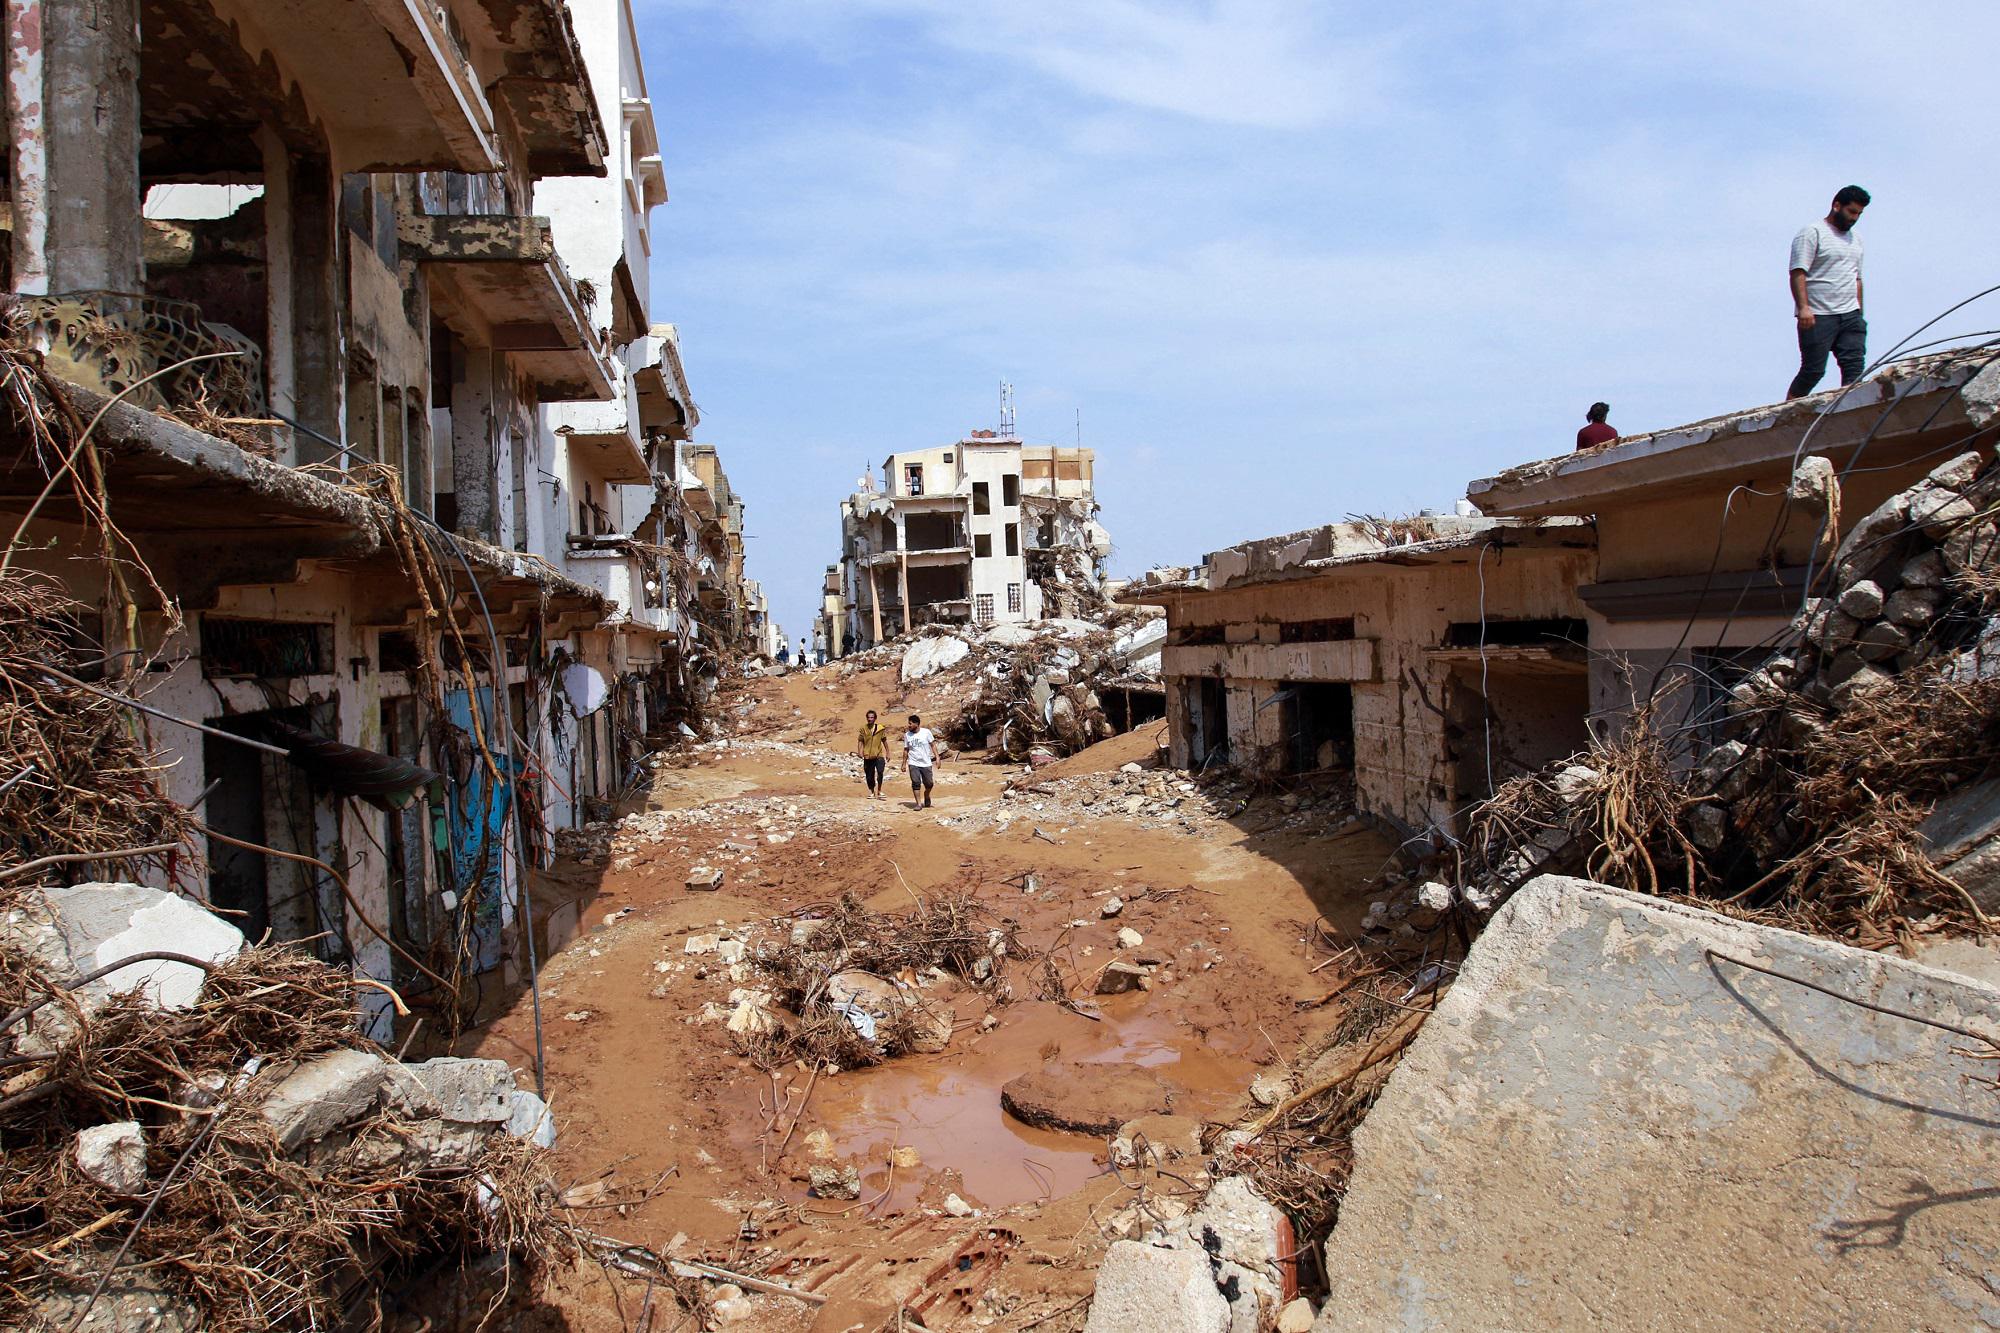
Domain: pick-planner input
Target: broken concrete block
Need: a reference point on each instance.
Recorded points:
(1939, 513)
(1962, 838)
(958, 1207)
(529, 1117)
(704, 879)
(1912, 608)
(323, 1095)
(1862, 599)
(1296, 1317)
(113, 1156)
(928, 656)
(1576, 782)
(1602, 1083)
(1882, 641)
(1957, 474)
(1086, 1098)
(101, 923)
(928, 1027)
(1972, 546)
(466, 1092)
(1868, 540)
(831, 1180)
(1120, 977)
(1145, 1289)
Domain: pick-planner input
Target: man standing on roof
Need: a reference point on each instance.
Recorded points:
(1595, 430)
(1826, 293)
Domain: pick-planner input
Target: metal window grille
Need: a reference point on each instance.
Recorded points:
(1014, 599)
(983, 608)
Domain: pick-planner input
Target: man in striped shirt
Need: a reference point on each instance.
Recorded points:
(1826, 293)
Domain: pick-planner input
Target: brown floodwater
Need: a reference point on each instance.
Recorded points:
(947, 1109)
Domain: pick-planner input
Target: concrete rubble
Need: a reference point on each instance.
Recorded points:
(1635, 1114)
(1224, 1267)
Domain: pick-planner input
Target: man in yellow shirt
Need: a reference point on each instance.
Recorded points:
(873, 747)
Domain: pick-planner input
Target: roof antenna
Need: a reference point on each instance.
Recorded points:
(1006, 409)
(1079, 428)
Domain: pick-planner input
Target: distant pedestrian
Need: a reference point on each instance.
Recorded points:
(920, 751)
(1826, 293)
(805, 653)
(1596, 430)
(873, 747)
(784, 654)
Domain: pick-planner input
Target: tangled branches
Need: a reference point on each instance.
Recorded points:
(76, 772)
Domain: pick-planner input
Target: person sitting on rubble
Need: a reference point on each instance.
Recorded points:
(873, 747)
(784, 653)
(920, 751)
(1595, 430)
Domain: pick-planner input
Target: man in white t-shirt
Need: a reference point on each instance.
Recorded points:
(1826, 293)
(920, 751)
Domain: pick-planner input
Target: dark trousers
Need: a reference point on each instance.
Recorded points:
(872, 770)
(1846, 336)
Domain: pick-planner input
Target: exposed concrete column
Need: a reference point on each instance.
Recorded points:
(279, 371)
(875, 602)
(73, 91)
(318, 346)
(474, 428)
(903, 584)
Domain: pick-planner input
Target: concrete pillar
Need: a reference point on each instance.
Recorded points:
(318, 346)
(474, 450)
(875, 602)
(79, 60)
(903, 582)
(279, 380)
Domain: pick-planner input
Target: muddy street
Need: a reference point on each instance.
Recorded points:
(909, 1182)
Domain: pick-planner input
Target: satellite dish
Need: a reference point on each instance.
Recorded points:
(585, 687)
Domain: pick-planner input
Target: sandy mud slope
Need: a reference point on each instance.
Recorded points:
(908, 1182)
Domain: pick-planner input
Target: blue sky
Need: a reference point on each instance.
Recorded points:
(1290, 260)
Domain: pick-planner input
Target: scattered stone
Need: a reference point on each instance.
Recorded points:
(905, 1158)
(322, 1095)
(1086, 1098)
(704, 879)
(1129, 938)
(1924, 571)
(1433, 900)
(1296, 1317)
(467, 1092)
(701, 944)
(1957, 474)
(1113, 906)
(1270, 1087)
(529, 1117)
(834, 1181)
(958, 1207)
(113, 1156)
(1882, 641)
(577, 1016)
(928, 1027)
(1120, 977)
(1863, 600)
(1940, 512)
(1146, 1289)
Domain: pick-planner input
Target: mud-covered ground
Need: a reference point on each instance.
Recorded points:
(1226, 892)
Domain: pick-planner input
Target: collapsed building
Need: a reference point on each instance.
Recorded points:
(1436, 658)
(985, 531)
(336, 402)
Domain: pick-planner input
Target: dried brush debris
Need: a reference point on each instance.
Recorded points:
(77, 771)
(250, 1236)
(952, 933)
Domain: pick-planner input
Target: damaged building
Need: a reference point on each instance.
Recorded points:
(985, 531)
(1427, 659)
(388, 481)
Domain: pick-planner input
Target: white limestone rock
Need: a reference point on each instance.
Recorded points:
(113, 1156)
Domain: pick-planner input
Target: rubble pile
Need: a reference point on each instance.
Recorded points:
(1150, 797)
(197, 1136)
(766, 820)
(852, 987)
(1028, 692)
(1851, 791)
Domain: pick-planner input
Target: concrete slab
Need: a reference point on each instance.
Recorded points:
(1609, 1125)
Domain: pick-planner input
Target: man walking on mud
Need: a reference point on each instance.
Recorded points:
(920, 750)
(1826, 293)
(873, 747)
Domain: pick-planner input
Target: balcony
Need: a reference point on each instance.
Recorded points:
(505, 272)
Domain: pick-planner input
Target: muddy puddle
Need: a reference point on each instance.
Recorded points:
(947, 1107)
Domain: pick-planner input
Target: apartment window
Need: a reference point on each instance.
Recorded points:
(982, 607)
(913, 478)
(1010, 489)
(982, 498)
(949, 457)
(1013, 599)
(1013, 539)
(982, 544)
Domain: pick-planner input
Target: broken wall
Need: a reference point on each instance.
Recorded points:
(1614, 1120)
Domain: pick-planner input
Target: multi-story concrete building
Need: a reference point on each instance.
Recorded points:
(985, 531)
(423, 495)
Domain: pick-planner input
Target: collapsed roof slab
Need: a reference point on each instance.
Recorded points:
(1908, 410)
(1615, 1120)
